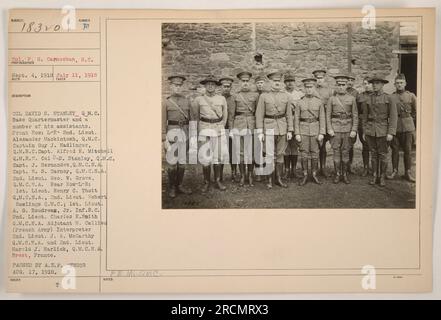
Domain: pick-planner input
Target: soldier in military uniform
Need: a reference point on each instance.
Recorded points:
(211, 112)
(259, 81)
(292, 151)
(379, 127)
(176, 118)
(362, 97)
(242, 122)
(274, 117)
(226, 85)
(342, 124)
(352, 91)
(324, 92)
(310, 128)
(350, 86)
(406, 110)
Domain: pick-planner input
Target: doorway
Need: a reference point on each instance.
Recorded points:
(408, 66)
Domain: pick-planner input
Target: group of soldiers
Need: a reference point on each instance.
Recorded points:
(298, 123)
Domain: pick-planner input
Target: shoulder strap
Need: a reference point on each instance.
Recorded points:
(178, 107)
(211, 106)
(309, 110)
(341, 104)
(245, 102)
(339, 101)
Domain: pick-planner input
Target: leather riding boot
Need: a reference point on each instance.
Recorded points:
(172, 177)
(304, 179)
(179, 187)
(242, 174)
(258, 177)
(293, 167)
(337, 167)
(269, 177)
(233, 172)
(365, 171)
(321, 172)
(286, 160)
(269, 183)
(408, 176)
(351, 157)
(218, 183)
(393, 174)
(250, 175)
(345, 172)
(383, 168)
(279, 170)
(373, 181)
(349, 167)
(207, 173)
(314, 165)
(365, 155)
(407, 165)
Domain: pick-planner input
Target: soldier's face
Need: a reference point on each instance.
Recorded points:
(367, 85)
(245, 83)
(350, 83)
(259, 85)
(176, 88)
(377, 85)
(309, 89)
(290, 85)
(210, 87)
(400, 84)
(341, 87)
(320, 79)
(226, 88)
(276, 83)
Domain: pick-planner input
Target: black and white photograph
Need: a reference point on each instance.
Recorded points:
(289, 115)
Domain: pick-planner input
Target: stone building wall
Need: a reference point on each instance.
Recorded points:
(196, 50)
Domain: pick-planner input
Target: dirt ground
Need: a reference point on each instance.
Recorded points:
(397, 193)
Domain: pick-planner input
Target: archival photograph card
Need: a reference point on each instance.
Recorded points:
(229, 151)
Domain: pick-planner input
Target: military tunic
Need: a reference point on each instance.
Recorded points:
(274, 117)
(379, 120)
(309, 122)
(342, 118)
(406, 111)
(324, 93)
(242, 122)
(293, 146)
(362, 97)
(212, 114)
(176, 118)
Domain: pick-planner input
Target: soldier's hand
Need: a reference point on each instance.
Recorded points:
(231, 134)
(261, 137)
(389, 137)
(320, 137)
(289, 136)
(331, 133)
(298, 138)
(353, 134)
